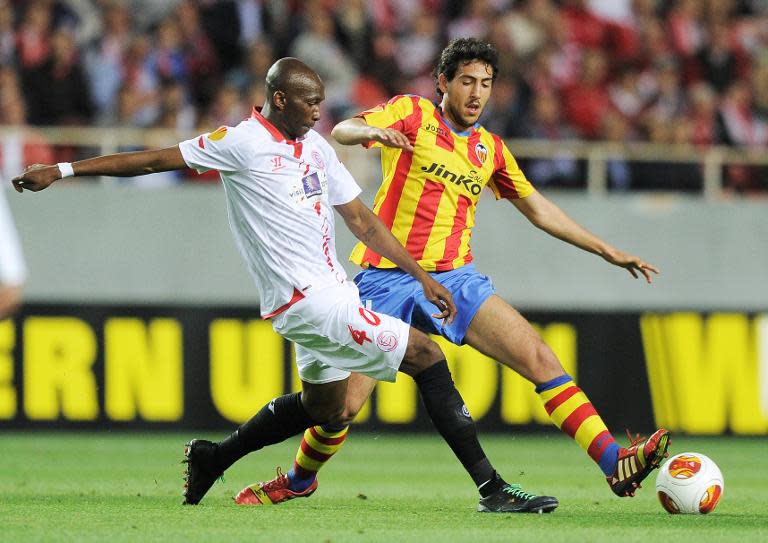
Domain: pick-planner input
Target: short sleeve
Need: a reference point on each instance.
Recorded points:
(218, 150)
(399, 113)
(508, 180)
(342, 187)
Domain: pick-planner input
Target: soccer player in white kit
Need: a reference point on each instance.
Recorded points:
(281, 179)
(13, 273)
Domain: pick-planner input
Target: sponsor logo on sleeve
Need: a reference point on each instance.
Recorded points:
(318, 160)
(218, 134)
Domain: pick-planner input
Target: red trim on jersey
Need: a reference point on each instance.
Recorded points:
(388, 209)
(297, 149)
(444, 137)
(500, 177)
(472, 142)
(256, 114)
(453, 242)
(424, 218)
(201, 143)
(297, 295)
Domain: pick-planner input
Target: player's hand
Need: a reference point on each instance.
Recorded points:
(633, 264)
(36, 177)
(391, 138)
(441, 297)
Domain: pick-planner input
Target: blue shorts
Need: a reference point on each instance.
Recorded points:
(394, 292)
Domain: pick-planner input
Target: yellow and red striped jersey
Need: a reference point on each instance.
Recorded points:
(428, 197)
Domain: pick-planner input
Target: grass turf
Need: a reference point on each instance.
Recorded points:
(126, 487)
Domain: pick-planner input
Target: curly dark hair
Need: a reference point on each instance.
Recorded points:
(465, 50)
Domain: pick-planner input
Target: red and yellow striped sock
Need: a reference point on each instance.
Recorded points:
(318, 445)
(574, 414)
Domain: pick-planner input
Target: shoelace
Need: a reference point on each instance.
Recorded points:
(281, 481)
(634, 440)
(517, 492)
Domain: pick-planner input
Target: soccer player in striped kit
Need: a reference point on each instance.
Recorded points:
(436, 160)
(282, 183)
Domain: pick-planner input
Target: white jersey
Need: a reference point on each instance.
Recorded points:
(279, 199)
(12, 269)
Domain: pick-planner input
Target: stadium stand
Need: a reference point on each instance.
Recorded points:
(691, 74)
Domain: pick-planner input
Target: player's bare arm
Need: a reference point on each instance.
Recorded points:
(356, 131)
(547, 216)
(369, 229)
(40, 176)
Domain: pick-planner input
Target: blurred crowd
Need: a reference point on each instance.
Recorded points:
(663, 71)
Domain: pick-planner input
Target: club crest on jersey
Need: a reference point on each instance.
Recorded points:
(318, 160)
(312, 185)
(481, 151)
(387, 341)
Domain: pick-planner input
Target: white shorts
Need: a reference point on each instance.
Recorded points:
(12, 269)
(335, 335)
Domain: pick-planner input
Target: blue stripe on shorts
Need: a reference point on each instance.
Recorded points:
(394, 292)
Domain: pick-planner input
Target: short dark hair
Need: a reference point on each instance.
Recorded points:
(464, 50)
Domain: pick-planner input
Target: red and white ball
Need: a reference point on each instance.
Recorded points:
(689, 483)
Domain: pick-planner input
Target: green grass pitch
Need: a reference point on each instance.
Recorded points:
(390, 488)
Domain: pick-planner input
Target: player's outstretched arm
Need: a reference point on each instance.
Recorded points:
(547, 216)
(356, 131)
(40, 176)
(369, 229)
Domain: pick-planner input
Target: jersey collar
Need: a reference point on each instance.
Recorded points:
(272, 129)
(463, 134)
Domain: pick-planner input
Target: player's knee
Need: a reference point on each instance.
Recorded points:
(428, 352)
(324, 412)
(420, 354)
(348, 415)
(343, 418)
(545, 360)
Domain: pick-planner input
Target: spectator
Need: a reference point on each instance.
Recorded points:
(7, 35)
(669, 99)
(56, 90)
(584, 28)
(702, 115)
(474, 20)
(163, 63)
(417, 50)
(355, 29)
(628, 95)
(33, 35)
(545, 123)
(527, 25)
(253, 71)
(105, 60)
(615, 128)
(717, 61)
(587, 101)
(200, 57)
(317, 47)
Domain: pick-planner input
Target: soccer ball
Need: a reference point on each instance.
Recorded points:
(689, 483)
